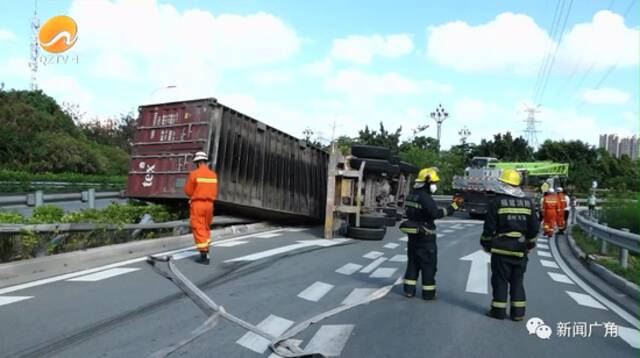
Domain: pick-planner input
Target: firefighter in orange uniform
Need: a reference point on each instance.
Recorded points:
(549, 208)
(202, 189)
(562, 204)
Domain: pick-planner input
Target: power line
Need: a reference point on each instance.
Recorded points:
(552, 30)
(555, 54)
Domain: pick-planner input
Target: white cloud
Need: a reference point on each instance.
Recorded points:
(605, 96)
(361, 49)
(15, 67)
(114, 66)
(360, 84)
(603, 42)
(7, 35)
(320, 68)
(274, 77)
(66, 89)
(509, 42)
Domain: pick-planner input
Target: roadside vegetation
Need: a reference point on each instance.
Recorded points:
(29, 244)
(608, 259)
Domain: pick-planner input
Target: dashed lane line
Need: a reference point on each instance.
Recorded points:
(398, 258)
(391, 245)
(5, 300)
(543, 253)
(448, 231)
(372, 266)
(234, 243)
(542, 246)
(330, 339)
(273, 325)
(316, 291)
(268, 236)
(373, 255)
(558, 277)
(103, 275)
(383, 272)
(349, 269)
(547, 263)
(585, 300)
(357, 295)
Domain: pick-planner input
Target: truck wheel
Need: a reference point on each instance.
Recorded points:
(407, 168)
(394, 171)
(392, 212)
(476, 216)
(366, 233)
(370, 151)
(372, 165)
(390, 220)
(394, 159)
(374, 221)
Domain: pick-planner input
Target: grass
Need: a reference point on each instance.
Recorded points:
(610, 258)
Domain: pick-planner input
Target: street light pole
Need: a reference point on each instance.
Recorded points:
(439, 116)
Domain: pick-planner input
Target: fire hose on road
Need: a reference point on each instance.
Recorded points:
(283, 345)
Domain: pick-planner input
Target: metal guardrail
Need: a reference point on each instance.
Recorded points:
(625, 240)
(39, 198)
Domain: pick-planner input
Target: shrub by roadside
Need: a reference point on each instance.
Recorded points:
(610, 258)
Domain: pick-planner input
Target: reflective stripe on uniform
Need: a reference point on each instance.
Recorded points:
(514, 234)
(533, 239)
(409, 230)
(454, 206)
(518, 303)
(483, 238)
(524, 211)
(413, 204)
(206, 180)
(429, 287)
(410, 282)
(507, 253)
(498, 304)
(202, 244)
(444, 211)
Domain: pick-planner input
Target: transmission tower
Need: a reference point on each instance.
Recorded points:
(35, 50)
(531, 133)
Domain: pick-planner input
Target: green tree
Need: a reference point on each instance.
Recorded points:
(382, 138)
(504, 148)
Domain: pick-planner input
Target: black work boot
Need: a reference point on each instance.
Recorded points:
(493, 313)
(409, 290)
(204, 258)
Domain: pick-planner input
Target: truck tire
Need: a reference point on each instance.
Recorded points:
(370, 151)
(407, 168)
(399, 216)
(372, 165)
(394, 171)
(394, 160)
(390, 220)
(392, 212)
(373, 221)
(366, 233)
(477, 216)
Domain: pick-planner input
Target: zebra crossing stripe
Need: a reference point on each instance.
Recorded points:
(330, 339)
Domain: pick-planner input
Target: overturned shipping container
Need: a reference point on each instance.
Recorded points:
(262, 172)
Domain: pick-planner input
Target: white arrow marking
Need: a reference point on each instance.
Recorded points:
(283, 249)
(479, 272)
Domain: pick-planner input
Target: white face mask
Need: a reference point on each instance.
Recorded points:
(433, 188)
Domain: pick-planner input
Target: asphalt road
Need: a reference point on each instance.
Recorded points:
(277, 279)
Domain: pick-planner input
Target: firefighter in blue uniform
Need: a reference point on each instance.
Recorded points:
(510, 231)
(422, 251)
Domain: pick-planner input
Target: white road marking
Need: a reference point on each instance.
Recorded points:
(287, 248)
(295, 342)
(373, 255)
(558, 277)
(439, 235)
(330, 339)
(456, 227)
(405, 239)
(547, 263)
(630, 335)
(273, 324)
(103, 275)
(372, 266)
(296, 229)
(447, 231)
(478, 279)
(383, 272)
(109, 266)
(542, 246)
(391, 245)
(585, 300)
(612, 306)
(233, 243)
(5, 300)
(398, 258)
(543, 253)
(357, 295)
(543, 240)
(316, 291)
(268, 236)
(349, 269)
(184, 255)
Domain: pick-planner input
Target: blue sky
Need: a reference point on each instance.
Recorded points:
(310, 64)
